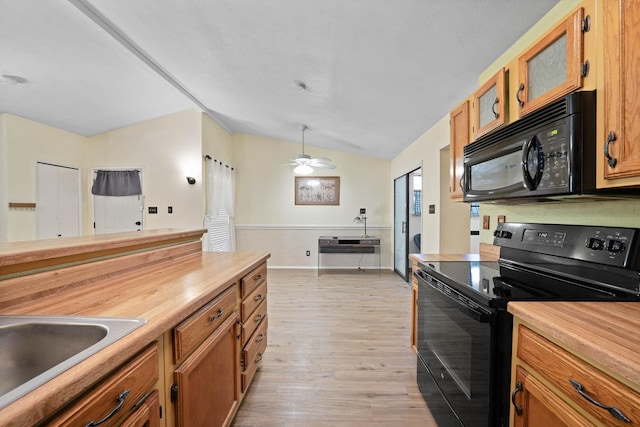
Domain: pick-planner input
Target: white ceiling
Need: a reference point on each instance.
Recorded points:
(378, 73)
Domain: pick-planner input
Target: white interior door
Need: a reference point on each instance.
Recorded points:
(117, 214)
(57, 201)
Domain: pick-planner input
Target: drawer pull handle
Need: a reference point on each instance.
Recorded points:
(259, 338)
(258, 318)
(121, 398)
(215, 316)
(258, 358)
(517, 390)
(258, 297)
(617, 413)
(257, 277)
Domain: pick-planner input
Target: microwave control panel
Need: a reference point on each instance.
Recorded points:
(555, 147)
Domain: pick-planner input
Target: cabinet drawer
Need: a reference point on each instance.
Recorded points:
(136, 376)
(252, 280)
(202, 323)
(147, 414)
(559, 367)
(255, 345)
(252, 301)
(252, 354)
(252, 322)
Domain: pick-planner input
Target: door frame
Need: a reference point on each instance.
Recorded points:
(406, 274)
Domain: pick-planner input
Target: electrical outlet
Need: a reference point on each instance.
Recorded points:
(308, 253)
(170, 209)
(502, 218)
(486, 222)
(153, 209)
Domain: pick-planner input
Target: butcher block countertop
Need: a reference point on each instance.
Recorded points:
(449, 257)
(604, 333)
(487, 253)
(20, 257)
(163, 292)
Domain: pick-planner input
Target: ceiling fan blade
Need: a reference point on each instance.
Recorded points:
(322, 165)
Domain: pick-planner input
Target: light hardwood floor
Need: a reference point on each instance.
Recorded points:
(338, 354)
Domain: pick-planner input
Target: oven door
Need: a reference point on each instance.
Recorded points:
(454, 355)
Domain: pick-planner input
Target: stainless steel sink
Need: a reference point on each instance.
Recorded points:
(35, 349)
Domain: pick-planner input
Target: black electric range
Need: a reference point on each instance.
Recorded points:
(464, 330)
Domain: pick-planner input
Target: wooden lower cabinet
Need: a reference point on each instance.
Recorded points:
(117, 396)
(414, 309)
(207, 384)
(195, 374)
(253, 296)
(535, 405)
(553, 386)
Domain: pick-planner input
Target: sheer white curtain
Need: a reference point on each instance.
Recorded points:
(219, 220)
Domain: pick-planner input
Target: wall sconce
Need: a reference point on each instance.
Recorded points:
(191, 180)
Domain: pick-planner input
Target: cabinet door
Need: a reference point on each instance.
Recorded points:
(459, 137)
(534, 405)
(552, 67)
(621, 130)
(209, 380)
(489, 105)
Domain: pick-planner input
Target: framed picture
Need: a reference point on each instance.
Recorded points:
(317, 190)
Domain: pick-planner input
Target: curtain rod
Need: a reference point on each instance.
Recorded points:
(208, 157)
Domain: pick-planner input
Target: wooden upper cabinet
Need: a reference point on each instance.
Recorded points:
(553, 66)
(459, 137)
(619, 103)
(489, 105)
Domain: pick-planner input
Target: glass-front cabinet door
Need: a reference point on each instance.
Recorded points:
(552, 67)
(489, 105)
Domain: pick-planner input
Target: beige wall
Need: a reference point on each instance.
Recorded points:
(268, 219)
(27, 142)
(425, 152)
(455, 216)
(167, 149)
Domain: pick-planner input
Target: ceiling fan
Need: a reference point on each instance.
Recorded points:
(304, 164)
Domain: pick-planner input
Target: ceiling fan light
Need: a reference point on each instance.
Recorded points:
(303, 170)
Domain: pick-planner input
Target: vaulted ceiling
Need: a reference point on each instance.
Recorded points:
(366, 76)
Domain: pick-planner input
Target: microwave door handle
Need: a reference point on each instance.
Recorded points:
(531, 182)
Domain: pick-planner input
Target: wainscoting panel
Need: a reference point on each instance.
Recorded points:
(288, 246)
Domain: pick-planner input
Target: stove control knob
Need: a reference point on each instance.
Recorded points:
(507, 234)
(615, 246)
(595, 244)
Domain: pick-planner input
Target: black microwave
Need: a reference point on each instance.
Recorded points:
(547, 154)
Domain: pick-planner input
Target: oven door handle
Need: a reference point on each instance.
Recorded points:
(455, 297)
